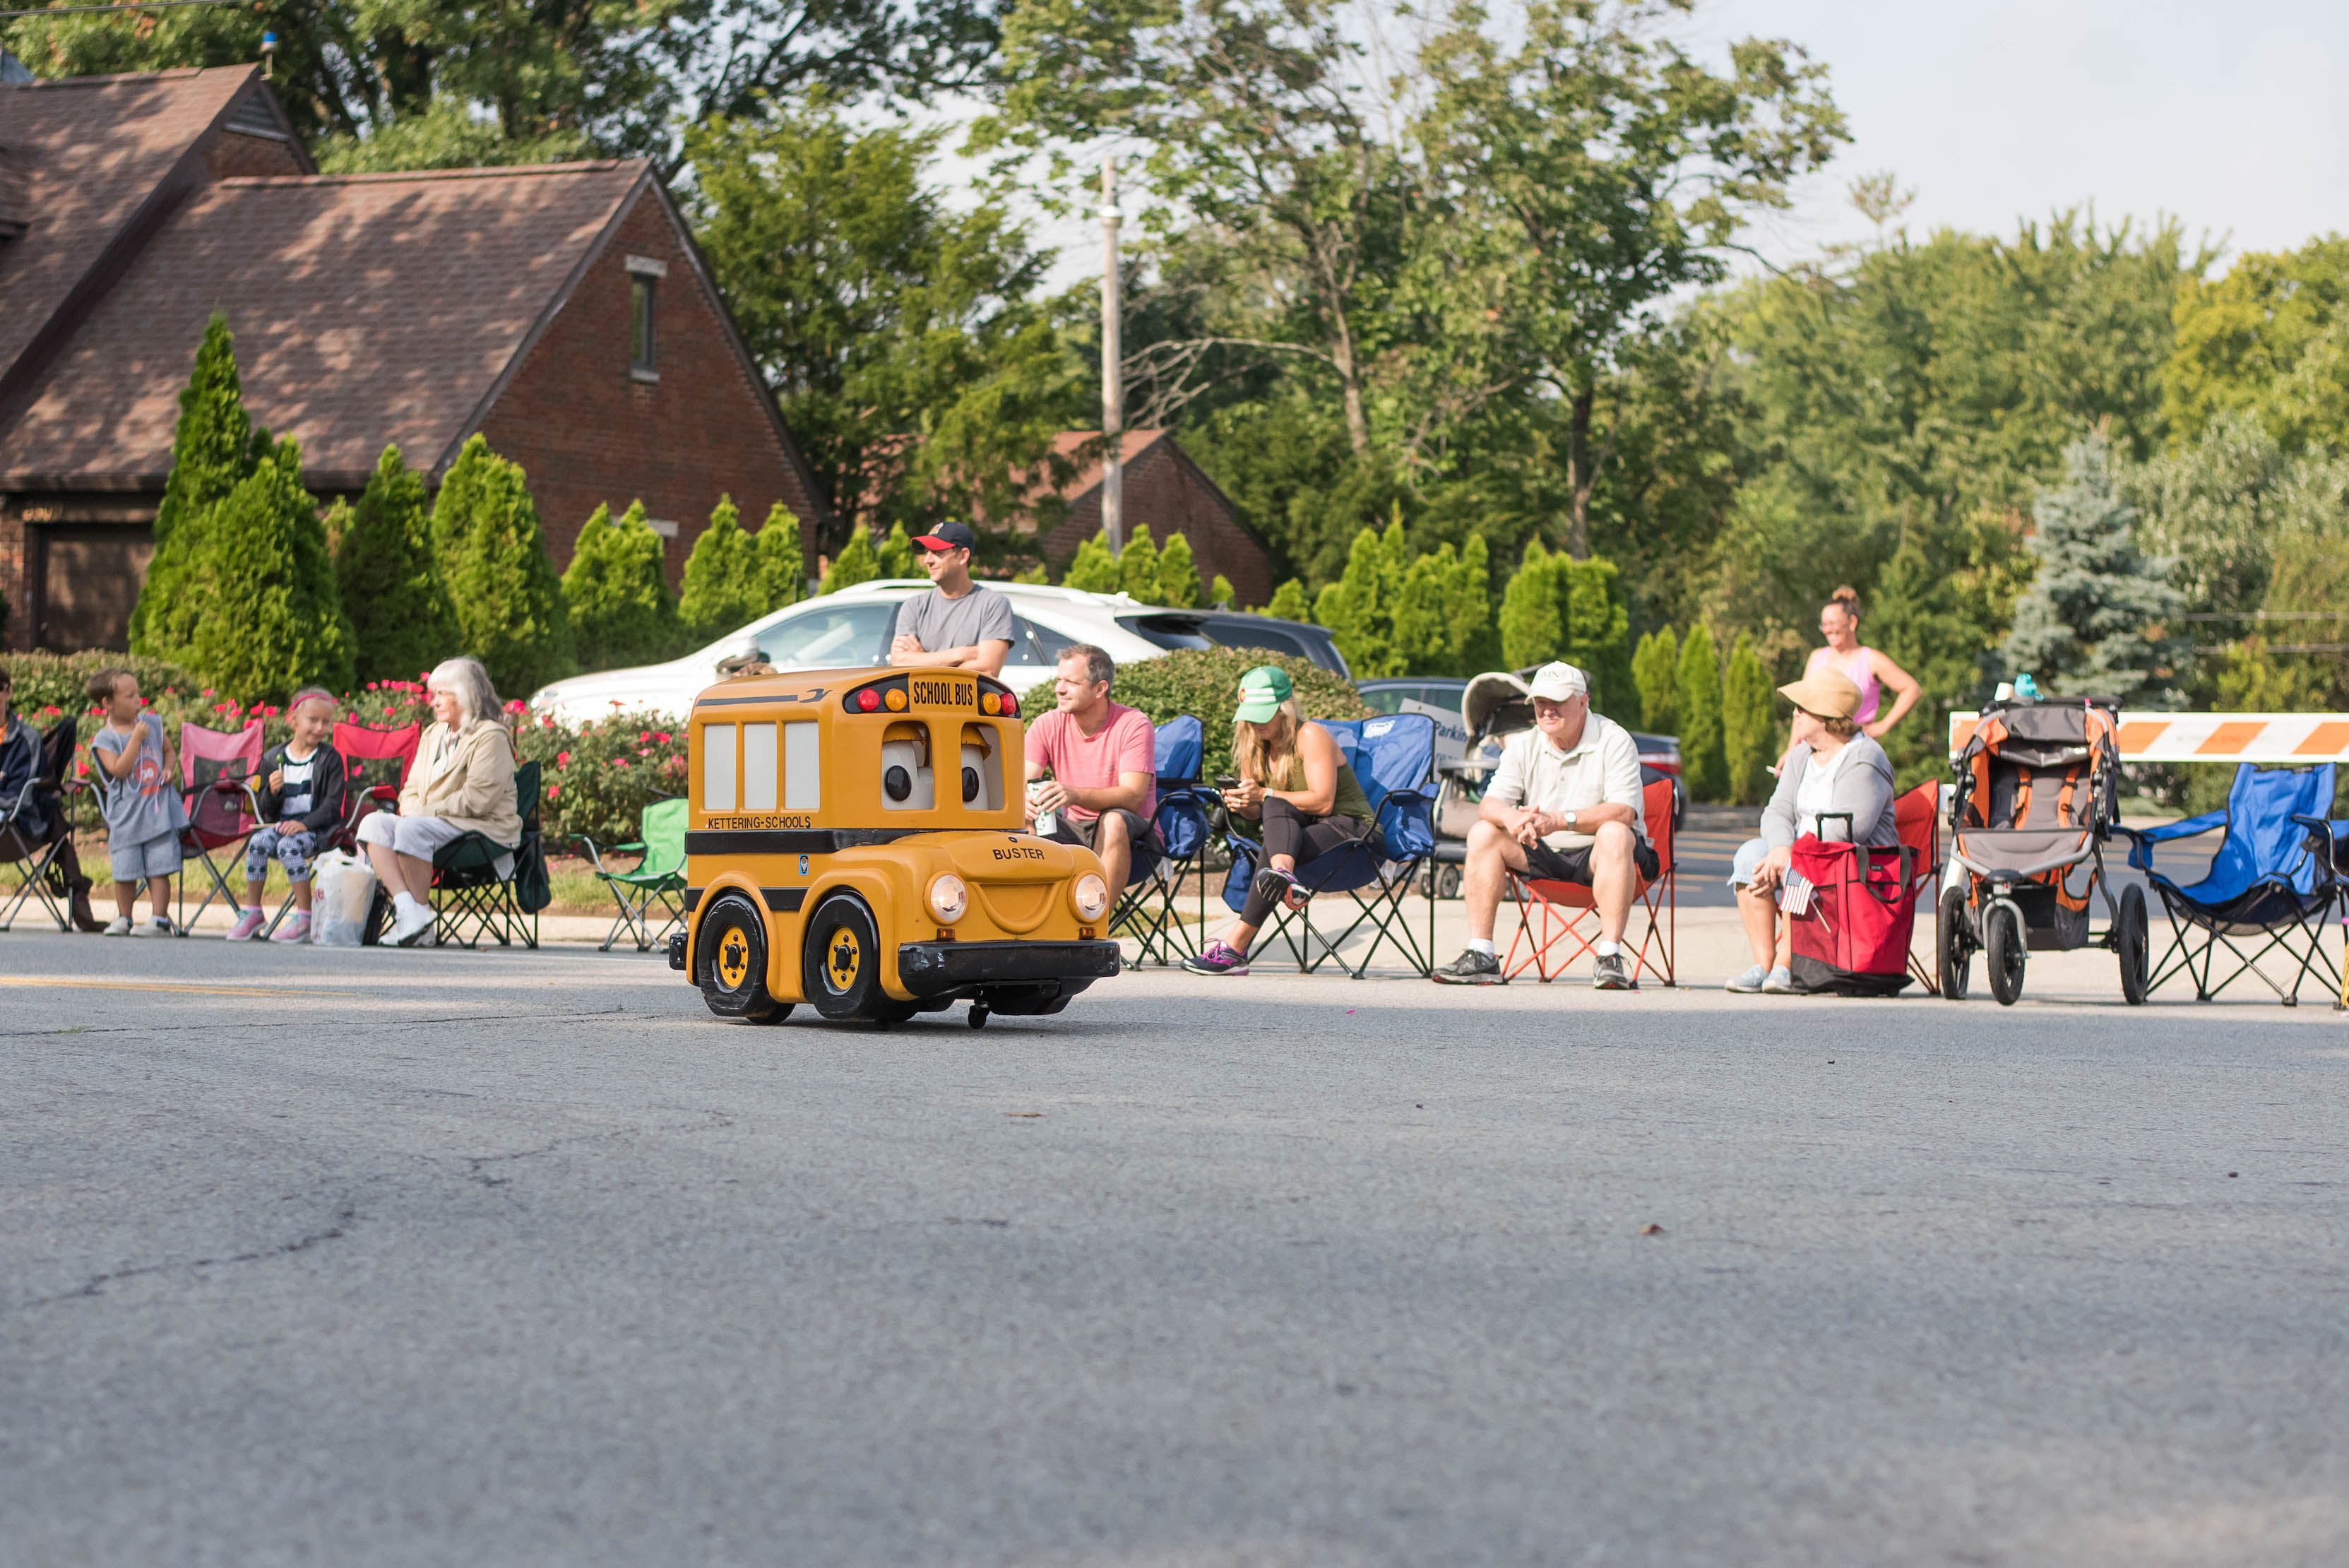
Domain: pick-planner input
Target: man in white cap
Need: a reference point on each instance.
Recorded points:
(1564, 805)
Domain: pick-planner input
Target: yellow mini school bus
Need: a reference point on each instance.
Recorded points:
(855, 841)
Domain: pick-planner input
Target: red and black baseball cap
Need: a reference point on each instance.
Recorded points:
(948, 536)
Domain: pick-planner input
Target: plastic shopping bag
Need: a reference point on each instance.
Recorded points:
(344, 892)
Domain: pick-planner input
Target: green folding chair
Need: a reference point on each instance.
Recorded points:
(658, 884)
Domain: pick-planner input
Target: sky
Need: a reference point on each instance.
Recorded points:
(2230, 117)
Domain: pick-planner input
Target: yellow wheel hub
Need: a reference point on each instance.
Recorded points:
(843, 959)
(734, 960)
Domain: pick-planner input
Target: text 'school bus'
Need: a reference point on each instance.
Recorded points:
(856, 841)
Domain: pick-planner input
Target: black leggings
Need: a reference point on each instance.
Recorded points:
(1288, 831)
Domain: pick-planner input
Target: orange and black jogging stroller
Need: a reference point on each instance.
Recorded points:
(2038, 794)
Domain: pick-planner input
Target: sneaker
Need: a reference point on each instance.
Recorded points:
(1471, 968)
(248, 926)
(1780, 984)
(161, 926)
(1219, 959)
(297, 928)
(1276, 886)
(118, 927)
(413, 929)
(1607, 973)
(1749, 982)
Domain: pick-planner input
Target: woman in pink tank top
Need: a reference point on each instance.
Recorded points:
(1866, 667)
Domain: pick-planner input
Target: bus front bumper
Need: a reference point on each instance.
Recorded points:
(952, 968)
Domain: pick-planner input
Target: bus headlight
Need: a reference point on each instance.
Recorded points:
(1090, 896)
(949, 896)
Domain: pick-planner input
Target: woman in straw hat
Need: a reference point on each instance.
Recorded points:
(1836, 784)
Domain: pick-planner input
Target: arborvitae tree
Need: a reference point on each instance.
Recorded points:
(2098, 620)
(1597, 629)
(1039, 573)
(1915, 618)
(274, 618)
(214, 448)
(1137, 567)
(1093, 569)
(722, 590)
(621, 612)
(1289, 603)
(897, 557)
(1704, 762)
(782, 563)
(1179, 575)
(492, 555)
(1469, 601)
(1219, 592)
(390, 581)
(857, 563)
(1442, 622)
(1655, 669)
(1747, 723)
(1532, 618)
(1359, 608)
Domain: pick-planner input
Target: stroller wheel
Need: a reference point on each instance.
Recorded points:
(1957, 944)
(2129, 941)
(2005, 930)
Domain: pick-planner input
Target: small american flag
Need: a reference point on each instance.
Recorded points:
(1796, 899)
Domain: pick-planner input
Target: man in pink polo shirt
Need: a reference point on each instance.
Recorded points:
(1103, 759)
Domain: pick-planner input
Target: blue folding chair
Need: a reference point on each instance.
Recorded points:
(1393, 759)
(2273, 876)
(1145, 912)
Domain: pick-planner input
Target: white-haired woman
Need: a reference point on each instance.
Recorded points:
(463, 782)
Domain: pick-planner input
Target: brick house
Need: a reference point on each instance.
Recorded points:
(560, 310)
(1166, 493)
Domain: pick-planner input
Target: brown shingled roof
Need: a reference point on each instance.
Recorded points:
(93, 154)
(367, 309)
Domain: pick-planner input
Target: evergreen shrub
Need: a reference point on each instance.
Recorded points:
(214, 446)
(390, 585)
(724, 579)
(492, 557)
(1747, 723)
(272, 618)
(1289, 603)
(782, 561)
(1092, 569)
(1179, 575)
(1704, 761)
(857, 563)
(1655, 671)
(617, 591)
(1220, 592)
(1137, 568)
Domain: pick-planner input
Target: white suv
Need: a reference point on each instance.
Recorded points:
(852, 628)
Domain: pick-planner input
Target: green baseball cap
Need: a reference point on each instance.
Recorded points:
(1262, 692)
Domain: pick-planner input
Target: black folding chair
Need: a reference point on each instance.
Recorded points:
(33, 855)
(482, 889)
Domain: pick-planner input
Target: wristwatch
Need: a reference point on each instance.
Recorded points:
(1570, 822)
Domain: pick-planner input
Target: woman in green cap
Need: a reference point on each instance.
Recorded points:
(1292, 779)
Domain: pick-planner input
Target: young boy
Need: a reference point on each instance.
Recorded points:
(138, 776)
(302, 789)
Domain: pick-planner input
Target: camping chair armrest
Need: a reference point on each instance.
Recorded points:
(2143, 839)
(1167, 783)
(598, 860)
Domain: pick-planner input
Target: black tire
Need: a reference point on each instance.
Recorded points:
(977, 1015)
(732, 960)
(840, 960)
(2131, 941)
(1956, 935)
(2006, 951)
(1447, 881)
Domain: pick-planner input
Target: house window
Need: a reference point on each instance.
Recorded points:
(640, 325)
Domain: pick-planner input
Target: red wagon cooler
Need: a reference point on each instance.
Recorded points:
(1852, 938)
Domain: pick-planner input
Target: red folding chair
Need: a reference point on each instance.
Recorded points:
(1918, 815)
(218, 771)
(375, 766)
(1555, 914)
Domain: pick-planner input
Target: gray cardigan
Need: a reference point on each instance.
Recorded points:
(1863, 787)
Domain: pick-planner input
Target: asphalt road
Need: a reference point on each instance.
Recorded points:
(431, 1258)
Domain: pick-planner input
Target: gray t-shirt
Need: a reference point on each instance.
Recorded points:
(937, 622)
(145, 806)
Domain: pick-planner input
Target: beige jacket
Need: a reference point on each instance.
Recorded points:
(473, 787)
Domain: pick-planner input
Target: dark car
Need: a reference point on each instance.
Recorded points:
(1233, 628)
(1662, 753)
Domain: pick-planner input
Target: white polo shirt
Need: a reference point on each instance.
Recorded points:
(1603, 768)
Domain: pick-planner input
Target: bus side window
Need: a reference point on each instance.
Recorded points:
(759, 767)
(717, 767)
(802, 768)
(907, 782)
(982, 769)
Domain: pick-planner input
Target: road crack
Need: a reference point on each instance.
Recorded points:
(95, 1286)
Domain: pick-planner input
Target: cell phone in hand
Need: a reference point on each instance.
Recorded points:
(1225, 781)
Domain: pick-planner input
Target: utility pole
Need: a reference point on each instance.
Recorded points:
(1113, 384)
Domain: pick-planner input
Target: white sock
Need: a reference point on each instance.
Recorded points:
(1606, 948)
(1481, 945)
(402, 902)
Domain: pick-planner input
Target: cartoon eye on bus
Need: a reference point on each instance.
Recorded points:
(855, 841)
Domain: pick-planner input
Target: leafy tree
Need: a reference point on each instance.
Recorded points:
(621, 612)
(1704, 759)
(214, 448)
(897, 556)
(1220, 592)
(1093, 569)
(783, 561)
(1288, 602)
(1137, 567)
(1748, 723)
(2098, 618)
(492, 557)
(1359, 609)
(1179, 575)
(723, 585)
(273, 620)
(387, 580)
(877, 311)
(2270, 340)
(1918, 621)
(1655, 672)
(857, 563)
